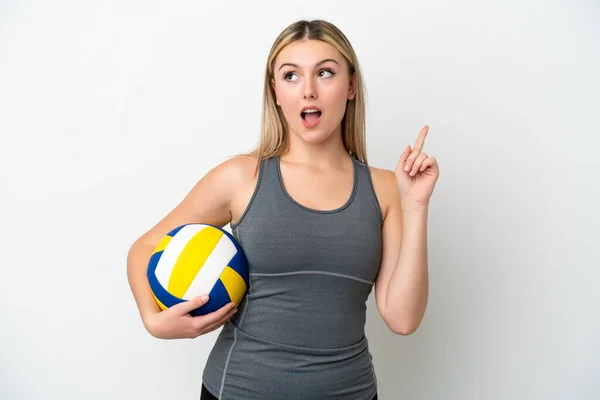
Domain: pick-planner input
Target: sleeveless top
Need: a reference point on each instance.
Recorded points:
(299, 331)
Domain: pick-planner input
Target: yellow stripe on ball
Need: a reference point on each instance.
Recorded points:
(162, 244)
(234, 284)
(191, 259)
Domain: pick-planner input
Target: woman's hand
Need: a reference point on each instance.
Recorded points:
(417, 174)
(176, 322)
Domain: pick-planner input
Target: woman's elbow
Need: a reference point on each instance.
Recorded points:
(403, 328)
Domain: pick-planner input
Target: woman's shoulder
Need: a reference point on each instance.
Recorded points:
(238, 169)
(241, 173)
(381, 174)
(225, 180)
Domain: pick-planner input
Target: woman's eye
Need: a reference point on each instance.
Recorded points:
(288, 76)
(326, 74)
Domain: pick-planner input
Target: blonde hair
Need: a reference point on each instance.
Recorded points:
(274, 139)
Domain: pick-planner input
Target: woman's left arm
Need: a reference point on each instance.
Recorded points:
(402, 285)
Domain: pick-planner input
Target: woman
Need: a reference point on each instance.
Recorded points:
(319, 227)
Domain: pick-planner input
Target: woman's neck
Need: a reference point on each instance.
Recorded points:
(330, 152)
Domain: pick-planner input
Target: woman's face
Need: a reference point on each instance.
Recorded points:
(312, 85)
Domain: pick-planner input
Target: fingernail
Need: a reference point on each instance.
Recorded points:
(406, 167)
(204, 297)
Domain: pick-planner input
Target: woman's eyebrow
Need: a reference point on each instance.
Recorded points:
(319, 63)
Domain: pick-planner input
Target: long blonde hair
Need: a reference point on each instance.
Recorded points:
(273, 139)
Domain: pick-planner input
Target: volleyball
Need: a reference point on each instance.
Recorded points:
(195, 259)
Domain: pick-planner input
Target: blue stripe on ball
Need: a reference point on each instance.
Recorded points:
(217, 298)
(238, 264)
(174, 231)
(154, 262)
(161, 293)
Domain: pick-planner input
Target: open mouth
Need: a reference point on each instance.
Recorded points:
(311, 117)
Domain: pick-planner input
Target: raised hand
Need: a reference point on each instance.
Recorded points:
(417, 173)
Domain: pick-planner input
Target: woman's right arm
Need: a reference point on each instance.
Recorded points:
(209, 201)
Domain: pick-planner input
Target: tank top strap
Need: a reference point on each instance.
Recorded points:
(270, 174)
(266, 185)
(365, 188)
(268, 179)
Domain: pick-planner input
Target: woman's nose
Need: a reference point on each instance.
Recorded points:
(310, 90)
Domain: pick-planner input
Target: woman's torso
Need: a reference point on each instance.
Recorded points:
(299, 331)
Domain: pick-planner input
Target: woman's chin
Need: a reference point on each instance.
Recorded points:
(315, 136)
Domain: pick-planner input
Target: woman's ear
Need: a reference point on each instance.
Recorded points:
(352, 89)
(274, 91)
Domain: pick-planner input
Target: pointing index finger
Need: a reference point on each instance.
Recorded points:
(420, 142)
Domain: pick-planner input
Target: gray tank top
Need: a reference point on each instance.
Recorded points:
(299, 331)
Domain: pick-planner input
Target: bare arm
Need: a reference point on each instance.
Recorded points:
(209, 201)
(402, 286)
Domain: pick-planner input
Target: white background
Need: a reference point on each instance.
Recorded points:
(110, 112)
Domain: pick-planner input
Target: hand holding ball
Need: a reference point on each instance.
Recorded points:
(194, 260)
